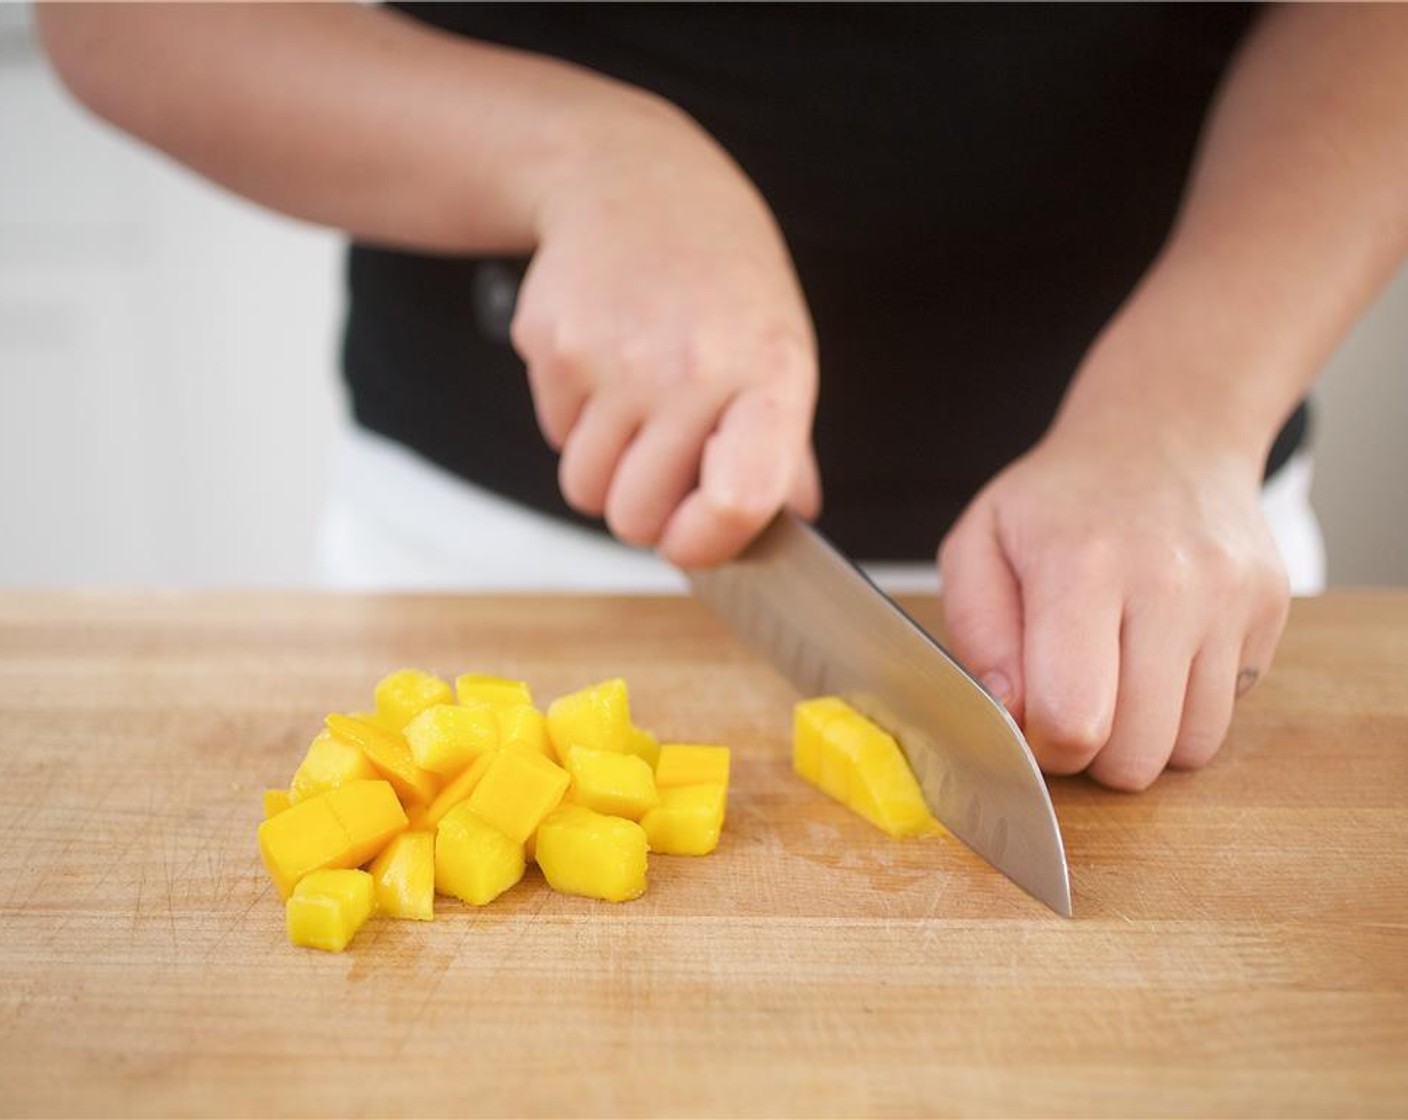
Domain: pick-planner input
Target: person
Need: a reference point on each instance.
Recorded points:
(955, 254)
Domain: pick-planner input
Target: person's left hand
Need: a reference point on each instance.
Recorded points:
(1117, 589)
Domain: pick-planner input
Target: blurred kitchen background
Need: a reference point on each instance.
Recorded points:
(169, 400)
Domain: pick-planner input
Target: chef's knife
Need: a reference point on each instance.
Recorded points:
(816, 617)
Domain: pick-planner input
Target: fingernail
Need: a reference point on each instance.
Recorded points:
(998, 684)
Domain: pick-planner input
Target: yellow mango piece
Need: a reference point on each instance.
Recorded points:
(457, 791)
(687, 821)
(598, 718)
(327, 908)
(446, 738)
(275, 802)
(516, 792)
(474, 861)
(690, 764)
(588, 853)
(644, 746)
(328, 763)
(884, 789)
(375, 717)
(523, 728)
(809, 720)
(619, 785)
(404, 876)
(497, 692)
(342, 828)
(838, 749)
(404, 694)
(390, 754)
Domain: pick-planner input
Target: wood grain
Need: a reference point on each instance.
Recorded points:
(1240, 943)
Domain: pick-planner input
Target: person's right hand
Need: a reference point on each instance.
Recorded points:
(669, 350)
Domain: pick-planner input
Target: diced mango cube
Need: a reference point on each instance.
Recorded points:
(809, 720)
(644, 746)
(404, 875)
(588, 853)
(404, 694)
(327, 908)
(384, 721)
(523, 728)
(884, 789)
(841, 742)
(342, 828)
(620, 785)
(497, 692)
(598, 718)
(390, 754)
(446, 738)
(687, 821)
(457, 790)
(517, 791)
(851, 759)
(690, 764)
(474, 861)
(327, 764)
(275, 802)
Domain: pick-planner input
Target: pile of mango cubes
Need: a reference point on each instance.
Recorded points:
(453, 791)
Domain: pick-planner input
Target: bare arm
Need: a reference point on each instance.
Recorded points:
(352, 117)
(669, 349)
(1295, 218)
(1118, 582)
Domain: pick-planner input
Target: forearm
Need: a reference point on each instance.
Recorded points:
(347, 116)
(1294, 218)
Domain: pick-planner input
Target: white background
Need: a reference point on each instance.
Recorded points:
(168, 391)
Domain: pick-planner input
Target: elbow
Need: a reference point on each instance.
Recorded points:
(88, 50)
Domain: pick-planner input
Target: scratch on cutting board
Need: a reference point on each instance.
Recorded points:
(170, 891)
(77, 832)
(432, 988)
(137, 907)
(115, 860)
(230, 927)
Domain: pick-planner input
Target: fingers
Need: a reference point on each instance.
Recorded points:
(1071, 659)
(749, 467)
(558, 399)
(1155, 654)
(1207, 708)
(1267, 623)
(1229, 665)
(655, 473)
(983, 607)
(591, 452)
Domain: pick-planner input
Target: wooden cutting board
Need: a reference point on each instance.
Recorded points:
(1240, 942)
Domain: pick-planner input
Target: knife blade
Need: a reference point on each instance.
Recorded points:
(815, 616)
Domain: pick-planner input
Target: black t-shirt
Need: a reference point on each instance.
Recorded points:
(968, 192)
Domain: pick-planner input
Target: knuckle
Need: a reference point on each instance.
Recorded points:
(578, 490)
(1195, 749)
(743, 508)
(1067, 734)
(1127, 775)
(1170, 570)
(549, 376)
(1085, 561)
(787, 352)
(632, 524)
(1225, 568)
(1275, 583)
